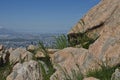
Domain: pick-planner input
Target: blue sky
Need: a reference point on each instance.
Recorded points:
(42, 16)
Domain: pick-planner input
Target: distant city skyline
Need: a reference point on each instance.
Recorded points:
(42, 16)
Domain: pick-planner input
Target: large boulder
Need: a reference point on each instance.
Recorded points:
(69, 57)
(26, 71)
(107, 47)
(103, 20)
(76, 59)
(104, 13)
(20, 55)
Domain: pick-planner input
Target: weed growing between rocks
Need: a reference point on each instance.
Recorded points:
(61, 42)
(5, 70)
(45, 63)
(81, 38)
(72, 75)
(104, 73)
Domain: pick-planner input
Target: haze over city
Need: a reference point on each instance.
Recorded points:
(42, 16)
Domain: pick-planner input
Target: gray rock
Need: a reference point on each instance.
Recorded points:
(26, 71)
(20, 55)
(31, 48)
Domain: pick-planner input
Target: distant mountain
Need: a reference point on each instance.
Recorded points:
(9, 34)
(6, 31)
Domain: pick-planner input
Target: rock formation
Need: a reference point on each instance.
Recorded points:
(103, 20)
(26, 71)
(20, 55)
(70, 58)
(104, 14)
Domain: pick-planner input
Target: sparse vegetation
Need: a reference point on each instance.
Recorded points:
(73, 75)
(81, 38)
(104, 73)
(5, 70)
(61, 42)
(45, 63)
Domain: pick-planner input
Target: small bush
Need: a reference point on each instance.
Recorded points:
(81, 38)
(73, 75)
(5, 70)
(61, 42)
(45, 63)
(104, 73)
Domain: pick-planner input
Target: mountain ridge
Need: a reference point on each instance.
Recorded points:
(10, 34)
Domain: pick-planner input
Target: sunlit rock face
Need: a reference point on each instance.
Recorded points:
(103, 20)
(104, 13)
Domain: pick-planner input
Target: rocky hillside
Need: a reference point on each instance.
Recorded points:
(10, 34)
(103, 20)
(101, 61)
(105, 14)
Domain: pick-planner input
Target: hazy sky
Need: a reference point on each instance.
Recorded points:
(38, 16)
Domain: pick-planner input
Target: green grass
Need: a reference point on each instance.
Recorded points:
(61, 42)
(84, 40)
(5, 70)
(72, 75)
(45, 62)
(81, 38)
(104, 73)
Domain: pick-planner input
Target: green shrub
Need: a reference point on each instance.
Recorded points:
(81, 38)
(104, 73)
(61, 42)
(45, 62)
(72, 75)
(5, 70)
